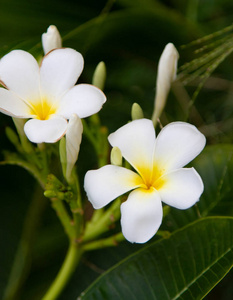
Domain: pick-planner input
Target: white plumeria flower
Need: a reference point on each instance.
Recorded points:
(51, 39)
(158, 176)
(47, 95)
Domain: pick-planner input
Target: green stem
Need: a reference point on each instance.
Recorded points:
(103, 243)
(76, 204)
(97, 215)
(63, 216)
(94, 229)
(45, 169)
(69, 265)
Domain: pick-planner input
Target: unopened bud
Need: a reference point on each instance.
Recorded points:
(166, 75)
(73, 141)
(116, 157)
(51, 39)
(166, 210)
(54, 184)
(50, 194)
(62, 153)
(99, 76)
(136, 112)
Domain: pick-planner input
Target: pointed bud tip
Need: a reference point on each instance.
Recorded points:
(99, 76)
(171, 48)
(51, 39)
(116, 157)
(52, 29)
(50, 194)
(136, 112)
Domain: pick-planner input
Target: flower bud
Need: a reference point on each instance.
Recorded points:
(136, 112)
(62, 152)
(50, 194)
(166, 75)
(51, 39)
(99, 76)
(116, 157)
(73, 141)
(54, 184)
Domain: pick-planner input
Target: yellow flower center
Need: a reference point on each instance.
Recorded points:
(152, 178)
(43, 109)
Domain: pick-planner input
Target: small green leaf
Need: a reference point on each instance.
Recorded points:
(185, 266)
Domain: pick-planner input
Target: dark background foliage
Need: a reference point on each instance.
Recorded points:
(129, 36)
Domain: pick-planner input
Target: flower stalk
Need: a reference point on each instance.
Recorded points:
(98, 226)
(63, 216)
(111, 241)
(69, 265)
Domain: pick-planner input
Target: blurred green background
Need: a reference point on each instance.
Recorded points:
(129, 36)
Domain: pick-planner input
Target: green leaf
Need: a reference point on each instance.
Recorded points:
(185, 266)
(215, 166)
(216, 169)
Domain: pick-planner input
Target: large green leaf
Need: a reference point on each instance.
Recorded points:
(215, 165)
(185, 266)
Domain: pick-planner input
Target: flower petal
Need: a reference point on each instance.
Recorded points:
(177, 144)
(12, 105)
(136, 140)
(142, 215)
(181, 188)
(109, 182)
(83, 100)
(59, 71)
(45, 131)
(19, 72)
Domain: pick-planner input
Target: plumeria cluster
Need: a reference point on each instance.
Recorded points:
(149, 169)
